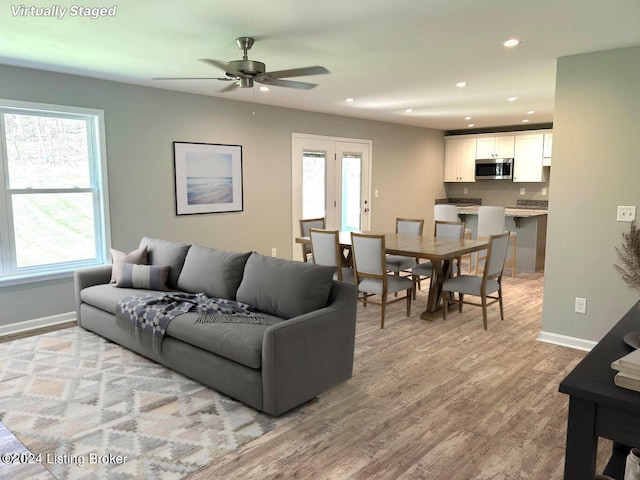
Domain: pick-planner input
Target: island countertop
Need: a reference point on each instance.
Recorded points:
(508, 211)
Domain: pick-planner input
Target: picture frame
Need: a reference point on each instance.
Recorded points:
(208, 178)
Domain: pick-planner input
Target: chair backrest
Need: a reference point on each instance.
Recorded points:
(448, 229)
(445, 213)
(490, 221)
(325, 248)
(496, 255)
(305, 225)
(409, 226)
(368, 255)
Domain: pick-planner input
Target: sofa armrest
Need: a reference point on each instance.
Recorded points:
(306, 355)
(87, 277)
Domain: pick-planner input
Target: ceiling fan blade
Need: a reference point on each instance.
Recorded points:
(224, 66)
(295, 72)
(228, 88)
(287, 83)
(193, 78)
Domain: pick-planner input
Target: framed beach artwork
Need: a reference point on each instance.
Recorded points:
(208, 178)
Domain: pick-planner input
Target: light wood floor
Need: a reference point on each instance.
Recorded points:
(431, 400)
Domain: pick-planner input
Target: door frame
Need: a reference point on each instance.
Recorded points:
(299, 141)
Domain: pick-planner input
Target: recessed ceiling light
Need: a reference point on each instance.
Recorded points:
(525, 120)
(461, 84)
(350, 100)
(264, 89)
(531, 112)
(512, 99)
(512, 42)
(467, 118)
(472, 124)
(409, 110)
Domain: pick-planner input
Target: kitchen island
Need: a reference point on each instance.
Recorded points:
(529, 222)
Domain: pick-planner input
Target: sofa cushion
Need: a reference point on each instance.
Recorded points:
(152, 277)
(138, 256)
(283, 287)
(217, 273)
(164, 252)
(239, 342)
(106, 296)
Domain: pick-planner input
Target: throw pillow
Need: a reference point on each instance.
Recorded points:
(164, 252)
(150, 277)
(217, 273)
(119, 258)
(283, 287)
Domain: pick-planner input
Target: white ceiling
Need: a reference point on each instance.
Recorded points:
(389, 55)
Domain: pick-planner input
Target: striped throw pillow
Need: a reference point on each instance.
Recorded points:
(150, 277)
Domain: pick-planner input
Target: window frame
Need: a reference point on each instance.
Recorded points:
(10, 273)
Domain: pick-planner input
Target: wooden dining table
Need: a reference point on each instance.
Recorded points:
(441, 252)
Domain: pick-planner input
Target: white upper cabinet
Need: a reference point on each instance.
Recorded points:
(460, 160)
(501, 146)
(528, 158)
(548, 145)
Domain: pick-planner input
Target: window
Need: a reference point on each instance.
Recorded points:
(53, 200)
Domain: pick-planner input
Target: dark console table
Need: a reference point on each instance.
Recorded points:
(598, 408)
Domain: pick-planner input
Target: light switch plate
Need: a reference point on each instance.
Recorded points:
(626, 213)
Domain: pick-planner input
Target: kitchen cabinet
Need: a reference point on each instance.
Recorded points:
(495, 147)
(528, 158)
(546, 149)
(460, 160)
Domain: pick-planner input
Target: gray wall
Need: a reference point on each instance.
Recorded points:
(142, 123)
(596, 167)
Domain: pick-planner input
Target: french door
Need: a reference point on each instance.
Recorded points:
(330, 178)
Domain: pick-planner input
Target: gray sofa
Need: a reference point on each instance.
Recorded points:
(307, 350)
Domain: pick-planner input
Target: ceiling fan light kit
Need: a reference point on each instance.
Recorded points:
(245, 72)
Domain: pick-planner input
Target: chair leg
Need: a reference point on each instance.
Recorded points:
(409, 294)
(445, 305)
(500, 303)
(484, 311)
(383, 307)
(416, 280)
(460, 301)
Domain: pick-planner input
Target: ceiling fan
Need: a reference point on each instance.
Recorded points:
(243, 73)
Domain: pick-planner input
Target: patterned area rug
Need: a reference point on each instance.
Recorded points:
(93, 410)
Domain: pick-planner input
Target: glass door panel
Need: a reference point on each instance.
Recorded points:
(351, 192)
(314, 174)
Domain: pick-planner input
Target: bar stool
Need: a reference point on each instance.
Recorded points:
(491, 222)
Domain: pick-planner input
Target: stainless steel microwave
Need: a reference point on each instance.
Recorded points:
(494, 169)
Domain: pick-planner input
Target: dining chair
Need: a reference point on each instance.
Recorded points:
(325, 250)
(491, 221)
(370, 269)
(490, 281)
(401, 263)
(305, 225)
(446, 212)
(442, 230)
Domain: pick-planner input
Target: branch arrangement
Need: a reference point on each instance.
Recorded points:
(629, 258)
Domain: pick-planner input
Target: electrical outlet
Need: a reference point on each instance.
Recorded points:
(466, 191)
(522, 191)
(544, 191)
(581, 305)
(626, 213)
(376, 193)
(273, 252)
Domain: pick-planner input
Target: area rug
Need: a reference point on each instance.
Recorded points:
(90, 409)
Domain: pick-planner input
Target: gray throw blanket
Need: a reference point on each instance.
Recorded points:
(154, 312)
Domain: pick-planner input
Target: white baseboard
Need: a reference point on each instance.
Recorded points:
(565, 341)
(20, 327)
